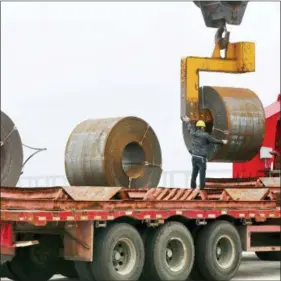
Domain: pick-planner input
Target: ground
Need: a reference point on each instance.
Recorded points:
(253, 269)
(250, 269)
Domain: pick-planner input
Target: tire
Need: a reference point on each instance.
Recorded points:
(208, 252)
(118, 253)
(36, 263)
(195, 274)
(269, 256)
(169, 253)
(5, 271)
(66, 268)
(84, 271)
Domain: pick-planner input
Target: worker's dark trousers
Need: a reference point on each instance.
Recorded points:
(198, 165)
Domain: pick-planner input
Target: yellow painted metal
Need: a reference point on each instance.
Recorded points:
(239, 58)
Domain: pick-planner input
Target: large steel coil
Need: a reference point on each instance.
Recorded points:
(238, 116)
(11, 152)
(113, 152)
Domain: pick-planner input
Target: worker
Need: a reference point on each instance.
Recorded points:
(199, 150)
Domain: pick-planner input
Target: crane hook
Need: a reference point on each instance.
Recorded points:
(219, 39)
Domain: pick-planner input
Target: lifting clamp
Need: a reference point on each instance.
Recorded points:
(238, 57)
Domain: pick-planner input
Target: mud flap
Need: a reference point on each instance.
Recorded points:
(79, 241)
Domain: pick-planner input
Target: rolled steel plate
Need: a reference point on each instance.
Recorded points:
(238, 116)
(113, 152)
(11, 152)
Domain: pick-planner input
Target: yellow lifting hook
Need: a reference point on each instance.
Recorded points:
(239, 57)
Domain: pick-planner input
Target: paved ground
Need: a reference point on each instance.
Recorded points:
(250, 269)
(253, 269)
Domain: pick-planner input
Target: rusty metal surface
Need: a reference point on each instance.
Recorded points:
(230, 184)
(247, 194)
(88, 193)
(76, 193)
(48, 193)
(277, 197)
(114, 205)
(113, 152)
(59, 199)
(228, 193)
(91, 193)
(241, 194)
(219, 183)
(11, 152)
(230, 180)
(238, 116)
(170, 194)
(243, 183)
(78, 241)
(269, 182)
(246, 235)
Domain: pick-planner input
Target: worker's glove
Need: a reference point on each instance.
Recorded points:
(185, 119)
(224, 141)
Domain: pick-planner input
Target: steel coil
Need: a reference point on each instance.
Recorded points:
(113, 152)
(11, 152)
(238, 116)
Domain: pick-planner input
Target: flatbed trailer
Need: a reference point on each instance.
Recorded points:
(114, 233)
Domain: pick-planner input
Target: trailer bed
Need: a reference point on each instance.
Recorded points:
(75, 221)
(247, 198)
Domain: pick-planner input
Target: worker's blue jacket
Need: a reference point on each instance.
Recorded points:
(201, 140)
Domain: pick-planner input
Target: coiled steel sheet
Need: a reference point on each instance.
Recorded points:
(11, 152)
(238, 116)
(113, 152)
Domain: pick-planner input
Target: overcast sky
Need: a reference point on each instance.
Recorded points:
(63, 63)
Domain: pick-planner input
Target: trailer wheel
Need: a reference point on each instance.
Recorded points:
(5, 271)
(195, 274)
(218, 251)
(169, 253)
(36, 263)
(84, 270)
(118, 253)
(269, 256)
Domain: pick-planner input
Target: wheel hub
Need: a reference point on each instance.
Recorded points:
(124, 256)
(176, 254)
(224, 251)
(117, 256)
(169, 253)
